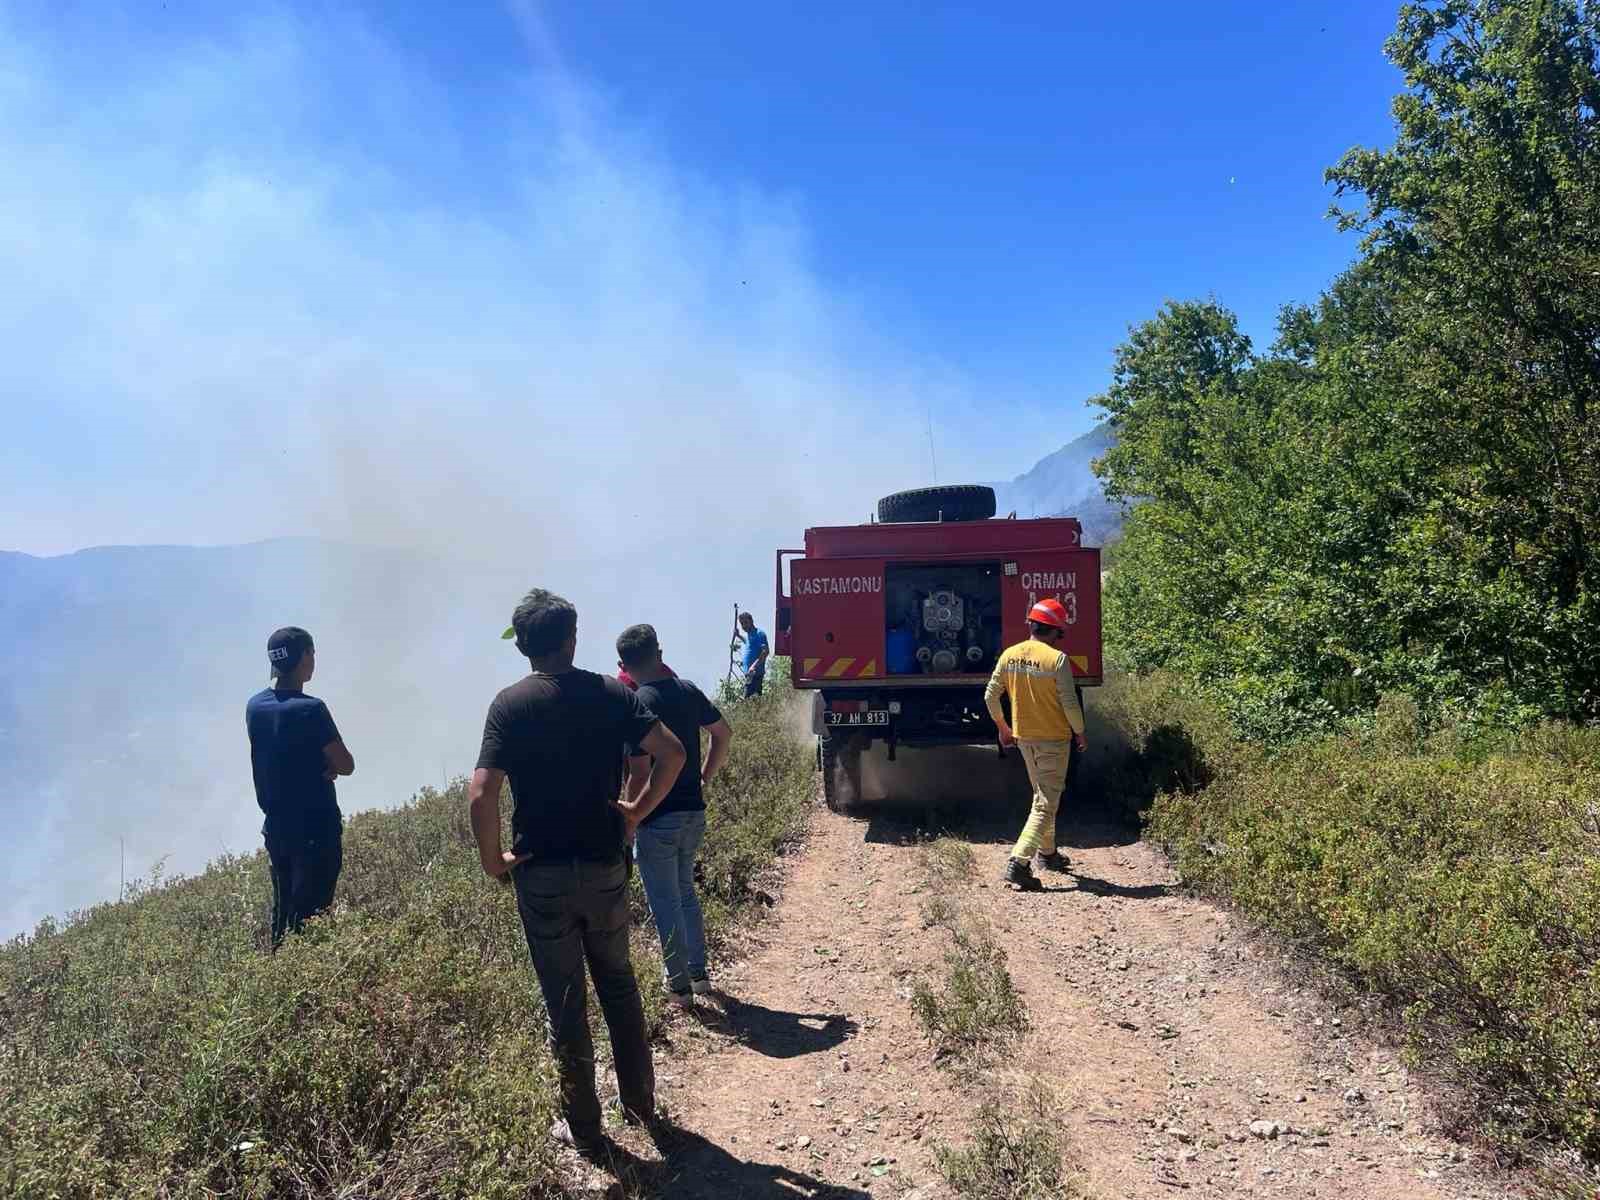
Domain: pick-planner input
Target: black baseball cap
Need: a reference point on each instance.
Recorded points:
(286, 647)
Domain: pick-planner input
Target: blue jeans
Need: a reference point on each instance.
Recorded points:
(664, 849)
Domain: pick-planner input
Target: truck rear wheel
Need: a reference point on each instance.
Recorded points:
(954, 502)
(840, 758)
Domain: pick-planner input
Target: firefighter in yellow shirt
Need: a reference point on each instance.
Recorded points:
(1046, 724)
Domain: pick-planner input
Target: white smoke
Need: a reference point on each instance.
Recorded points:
(239, 309)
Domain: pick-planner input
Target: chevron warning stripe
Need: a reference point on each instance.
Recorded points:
(1080, 663)
(839, 668)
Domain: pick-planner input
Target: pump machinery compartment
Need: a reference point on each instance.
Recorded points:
(941, 618)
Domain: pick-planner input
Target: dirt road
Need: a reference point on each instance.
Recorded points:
(1161, 1027)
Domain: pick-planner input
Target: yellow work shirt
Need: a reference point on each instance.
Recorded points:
(1044, 698)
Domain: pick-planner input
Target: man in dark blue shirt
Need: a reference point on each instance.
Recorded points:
(668, 839)
(295, 755)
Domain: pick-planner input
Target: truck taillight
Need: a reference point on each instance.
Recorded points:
(848, 706)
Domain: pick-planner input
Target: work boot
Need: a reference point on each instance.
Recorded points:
(641, 1120)
(593, 1147)
(683, 999)
(1020, 876)
(1054, 861)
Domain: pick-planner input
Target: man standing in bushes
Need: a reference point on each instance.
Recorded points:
(1046, 723)
(295, 755)
(560, 735)
(669, 836)
(756, 651)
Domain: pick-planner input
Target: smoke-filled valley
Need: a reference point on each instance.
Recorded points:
(122, 688)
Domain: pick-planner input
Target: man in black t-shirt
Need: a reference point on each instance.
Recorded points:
(559, 734)
(669, 838)
(295, 755)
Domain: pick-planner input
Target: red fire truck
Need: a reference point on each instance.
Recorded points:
(895, 625)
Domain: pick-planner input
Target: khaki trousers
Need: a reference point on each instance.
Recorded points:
(1047, 771)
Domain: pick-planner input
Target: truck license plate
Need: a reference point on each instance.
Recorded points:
(878, 716)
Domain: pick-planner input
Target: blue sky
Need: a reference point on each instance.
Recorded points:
(878, 212)
(1016, 187)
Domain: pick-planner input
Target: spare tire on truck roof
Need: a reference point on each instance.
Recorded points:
(954, 502)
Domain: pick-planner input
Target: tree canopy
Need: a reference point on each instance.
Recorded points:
(1403, 492)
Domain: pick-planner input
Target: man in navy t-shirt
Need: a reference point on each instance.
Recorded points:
(295, 754)
(755, 655)
(668, 838)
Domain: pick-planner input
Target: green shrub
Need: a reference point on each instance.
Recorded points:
(1015, 1154)
(1152, 734)
(756, 806)
(154, 1049)
(730, 690)
(948, 861)
(978, 1007)
(151, 1048)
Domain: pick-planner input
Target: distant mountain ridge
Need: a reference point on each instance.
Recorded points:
(1063, 483)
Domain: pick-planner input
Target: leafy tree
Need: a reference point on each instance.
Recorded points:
(1403, 493)
(1486, 214)
(1155, 400)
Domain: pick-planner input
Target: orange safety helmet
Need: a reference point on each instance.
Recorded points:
(1049, 611)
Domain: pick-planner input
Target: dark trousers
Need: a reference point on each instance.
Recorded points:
(304, 872)
(754, 680)
(575, 913)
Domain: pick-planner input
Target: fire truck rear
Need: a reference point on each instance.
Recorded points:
(895, 625)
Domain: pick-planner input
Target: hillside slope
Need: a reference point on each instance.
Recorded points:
(154, 1048)
(396, 1048)
(1063, 484)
